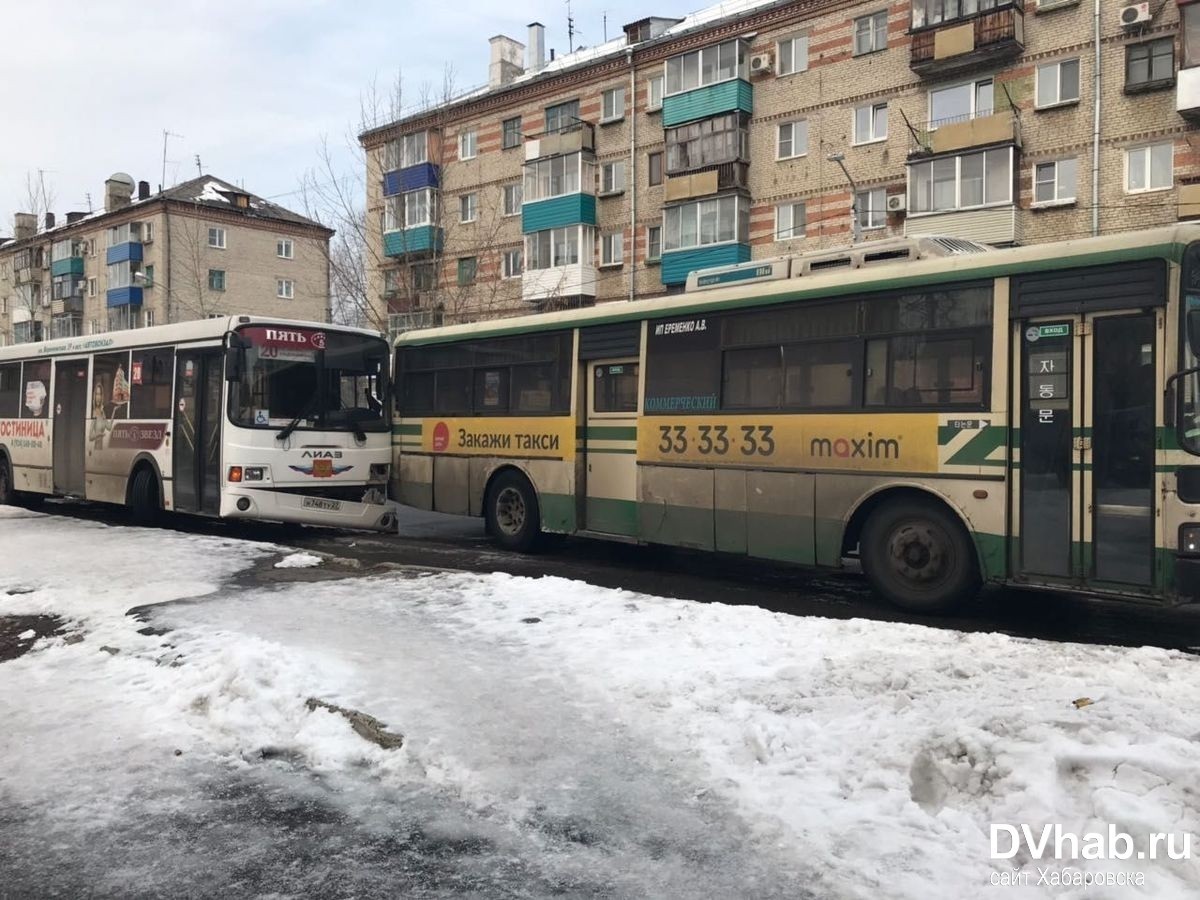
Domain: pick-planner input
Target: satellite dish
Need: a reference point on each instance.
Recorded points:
(122, 179)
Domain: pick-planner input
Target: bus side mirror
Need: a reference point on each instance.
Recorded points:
(234, 354)
(1193, 330)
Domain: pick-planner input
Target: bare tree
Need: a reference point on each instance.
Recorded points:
(190, 295)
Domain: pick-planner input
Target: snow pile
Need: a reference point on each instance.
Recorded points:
(299, 561)
(213, 191)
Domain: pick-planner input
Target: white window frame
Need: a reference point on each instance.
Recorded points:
(468, 144)
(1056, 67)
(876, 208)
(787, 211)
(414, 149)
(875, 137)
(576, 175)
(581, 237)
(1147, 149)
(612, 177)
(661, 82)
(389, 156)
(612, 249)
(649, 229)
(218, 233)
(285, 248)
(973, 84)
(508, 268)
(149, 317)
(740, 61)
(512, 191)
(410, 206)
(468, 208)
(798, 126)
(1009, 201)
(796, 55)
(741, 211)
(285, 289)
(91, 283)
(612, 105)
(1059, 199)
(873, 29)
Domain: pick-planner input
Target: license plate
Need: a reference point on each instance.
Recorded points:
(321, 503)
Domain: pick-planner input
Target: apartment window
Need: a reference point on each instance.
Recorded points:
(1058, 83)
(653, 242)
(512, 199)
(870, 123)
(468, 207)
(654, 93)
(132, 232)
(937, 12)
(709, 65)
(467, 267)
(792, 54)
(120, 275)
(510, 133)
(424, 277)
(871, 208)
(612, 177)
(720, 220)
(1150, 65)
(391, 282)
(1149, 168)
(709, 142)
(149, 314)
(870, 33)
(147, 232)
(216, 279)
(612, 249)
(1054, 182)
(612, 105)
(792, 140)
(284, 248)
(216, 238)
(790, 220)
(961, 102)
(91, 287)
(1189, 33)
(414, 149)
(654, 168)
(467, 142)
(557, 176)
(961, 182)
(285, 288)
(389, 158)
(148, 272)
(512, 264)
(562, 116)
(553, 248)
(418, 207)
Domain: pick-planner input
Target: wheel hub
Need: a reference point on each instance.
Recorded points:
(510, 511)
(918, 553)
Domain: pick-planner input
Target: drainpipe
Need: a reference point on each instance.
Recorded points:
(633, 175)
(1096, 130)
(167, 259)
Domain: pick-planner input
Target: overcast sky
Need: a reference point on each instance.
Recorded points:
(250, 86)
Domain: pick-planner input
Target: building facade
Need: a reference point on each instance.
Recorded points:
(202, 248)
(613, 172)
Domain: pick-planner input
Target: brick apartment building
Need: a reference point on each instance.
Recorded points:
(611, 172)
(202, 248)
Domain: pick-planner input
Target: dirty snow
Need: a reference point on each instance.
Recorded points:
(27, 635)
(213, 191)
(299, 561)
(558, 736)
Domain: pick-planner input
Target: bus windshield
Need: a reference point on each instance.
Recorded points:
(303, 378)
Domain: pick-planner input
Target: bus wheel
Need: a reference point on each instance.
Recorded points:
(143, 496)
(513, 518)
(918, 556)
(6, 482)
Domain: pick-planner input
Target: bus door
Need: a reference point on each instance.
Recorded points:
(199, 383)
(610, 447)
(70, 425)
(1085, 441)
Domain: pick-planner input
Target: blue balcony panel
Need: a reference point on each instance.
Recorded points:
(130, 251)
(678, 264)
(707, 101)
(401, 181)
(558, 212)
(410, 241)
(126, 296)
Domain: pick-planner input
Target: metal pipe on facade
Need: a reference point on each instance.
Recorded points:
(632, 176)
(1096, 129)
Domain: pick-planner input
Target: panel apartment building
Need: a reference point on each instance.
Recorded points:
(202, 248)
(612, 172)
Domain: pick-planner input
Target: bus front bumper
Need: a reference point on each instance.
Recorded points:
(302, 509)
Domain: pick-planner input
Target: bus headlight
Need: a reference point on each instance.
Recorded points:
(1189, 539)
(255, 473)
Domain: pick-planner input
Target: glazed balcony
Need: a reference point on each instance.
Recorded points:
(953, 135)
(967, 34)
(724, 177)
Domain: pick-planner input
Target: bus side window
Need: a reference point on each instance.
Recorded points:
(10, 391)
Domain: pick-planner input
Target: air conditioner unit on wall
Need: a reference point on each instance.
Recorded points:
(1135, 14)
(896, 203)
(761, 64)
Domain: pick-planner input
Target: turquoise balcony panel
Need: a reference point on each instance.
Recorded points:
(558, 212)
(678, 264)
(707, 101)
(72, 265)
(409, 241)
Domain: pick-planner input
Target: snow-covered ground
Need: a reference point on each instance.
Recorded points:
(559, 738)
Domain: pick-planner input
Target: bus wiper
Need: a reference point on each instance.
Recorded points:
(291, 426)
(359, 434)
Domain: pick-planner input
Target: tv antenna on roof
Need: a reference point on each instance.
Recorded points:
(570, 30)
(166, 134)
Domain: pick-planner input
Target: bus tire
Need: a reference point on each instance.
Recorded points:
(513, 516)
(918, 556)
(7, 494)
(143, 496)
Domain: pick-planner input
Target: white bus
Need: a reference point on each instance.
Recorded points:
(239, 417)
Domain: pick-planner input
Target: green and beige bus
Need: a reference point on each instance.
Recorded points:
(947, 413)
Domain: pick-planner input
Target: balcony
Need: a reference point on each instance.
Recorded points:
(420, 240)
(736, 95)
(724, 177)
(126, 296)
(66, 326)
(1187, 93)
(571, 138)
(414, 320)
(559, 282)
(968, 41)
(991, 128)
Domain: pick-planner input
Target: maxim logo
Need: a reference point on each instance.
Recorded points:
(869, 447)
